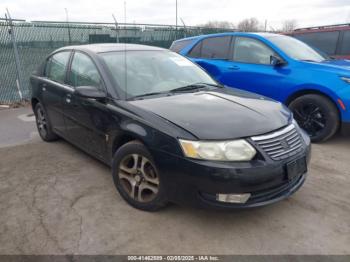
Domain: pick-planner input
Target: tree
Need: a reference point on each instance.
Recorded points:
(219, 24)
(289, 25)
(249, 25)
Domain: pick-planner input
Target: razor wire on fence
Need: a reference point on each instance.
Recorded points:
(36, 39)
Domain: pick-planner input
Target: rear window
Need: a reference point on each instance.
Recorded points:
(216, 47)
(345, 47)
(179, 45)
(56, 66)
(212, 48)
(324, 41)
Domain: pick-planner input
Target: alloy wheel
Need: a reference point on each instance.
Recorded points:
(41, 122)
(311, 118)
(138, 178)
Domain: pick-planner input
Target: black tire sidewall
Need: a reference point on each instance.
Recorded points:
(137, 148)
(328, 109)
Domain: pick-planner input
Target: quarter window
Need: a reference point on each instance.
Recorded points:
(249, 50)
(216, 47)
(56, 67)
(84, 72)
(179, 45)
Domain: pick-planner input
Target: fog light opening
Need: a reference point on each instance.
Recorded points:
(233, 198)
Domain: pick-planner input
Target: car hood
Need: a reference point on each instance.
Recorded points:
(334, 66)
(220, 114)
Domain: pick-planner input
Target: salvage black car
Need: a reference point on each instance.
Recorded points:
(169, 132)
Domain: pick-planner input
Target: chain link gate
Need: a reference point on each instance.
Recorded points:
(36, 39)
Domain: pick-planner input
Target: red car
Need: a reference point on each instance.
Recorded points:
(334, 40)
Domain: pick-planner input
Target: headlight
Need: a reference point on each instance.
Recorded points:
(345, 79)
(236, 150)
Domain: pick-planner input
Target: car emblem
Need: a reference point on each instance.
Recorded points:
(284, 144)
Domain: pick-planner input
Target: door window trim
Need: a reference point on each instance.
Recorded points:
(273, 50)
(103, 86)
(66, 69)
(201, 48)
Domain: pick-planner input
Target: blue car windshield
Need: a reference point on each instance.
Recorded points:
(296, 49)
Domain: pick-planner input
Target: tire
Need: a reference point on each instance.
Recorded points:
(43, 124)
(136, 177)
(317, 115)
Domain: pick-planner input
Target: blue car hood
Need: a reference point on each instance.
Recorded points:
(336, 66)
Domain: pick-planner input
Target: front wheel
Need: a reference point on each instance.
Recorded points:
(317, 115)
(136, 177)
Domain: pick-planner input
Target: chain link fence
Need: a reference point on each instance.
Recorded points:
(36, 39)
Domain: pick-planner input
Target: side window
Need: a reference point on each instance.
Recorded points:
(249, 50)
(325, 41)
(345, 47)
(56, 67)
(216, 47)
(84, 72)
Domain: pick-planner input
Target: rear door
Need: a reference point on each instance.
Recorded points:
(53, 88)
(86, 119)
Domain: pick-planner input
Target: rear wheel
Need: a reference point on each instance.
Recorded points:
(317, 115)
(43, 124)
(136, 177)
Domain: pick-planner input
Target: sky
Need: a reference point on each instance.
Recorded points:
(192, 12)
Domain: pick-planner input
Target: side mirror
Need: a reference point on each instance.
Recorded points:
(90, 92)
(276, 61)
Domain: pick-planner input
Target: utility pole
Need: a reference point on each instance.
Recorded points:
(176, 14)
(67, 21)
(15, 50)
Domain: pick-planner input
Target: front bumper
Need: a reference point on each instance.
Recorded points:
(196, 183)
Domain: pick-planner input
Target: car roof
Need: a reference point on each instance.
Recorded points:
(110, 47)
(262, 34)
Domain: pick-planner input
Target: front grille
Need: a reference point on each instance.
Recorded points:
(281, 144)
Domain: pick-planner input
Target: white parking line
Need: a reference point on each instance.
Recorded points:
(27, 117)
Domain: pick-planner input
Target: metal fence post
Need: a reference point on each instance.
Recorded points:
(15, 50)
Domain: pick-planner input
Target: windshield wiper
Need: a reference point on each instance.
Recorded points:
(191, 87)
(149, 94)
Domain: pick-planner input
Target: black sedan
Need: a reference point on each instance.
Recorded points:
(167, 129)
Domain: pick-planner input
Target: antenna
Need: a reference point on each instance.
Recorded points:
(116, 29)
(125, 62)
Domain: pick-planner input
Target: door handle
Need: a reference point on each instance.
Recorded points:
(68, 98)
(233, 67)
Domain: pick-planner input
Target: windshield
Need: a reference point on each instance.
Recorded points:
(296, 49)
(146, 72)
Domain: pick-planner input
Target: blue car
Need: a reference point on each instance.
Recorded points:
(315, 87)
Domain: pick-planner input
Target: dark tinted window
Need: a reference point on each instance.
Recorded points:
(216, 47)
(324, 41)
(179, 45)
(249, 50)
(56, 67)
(84, 72)
(196, 50)
(345, 47)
